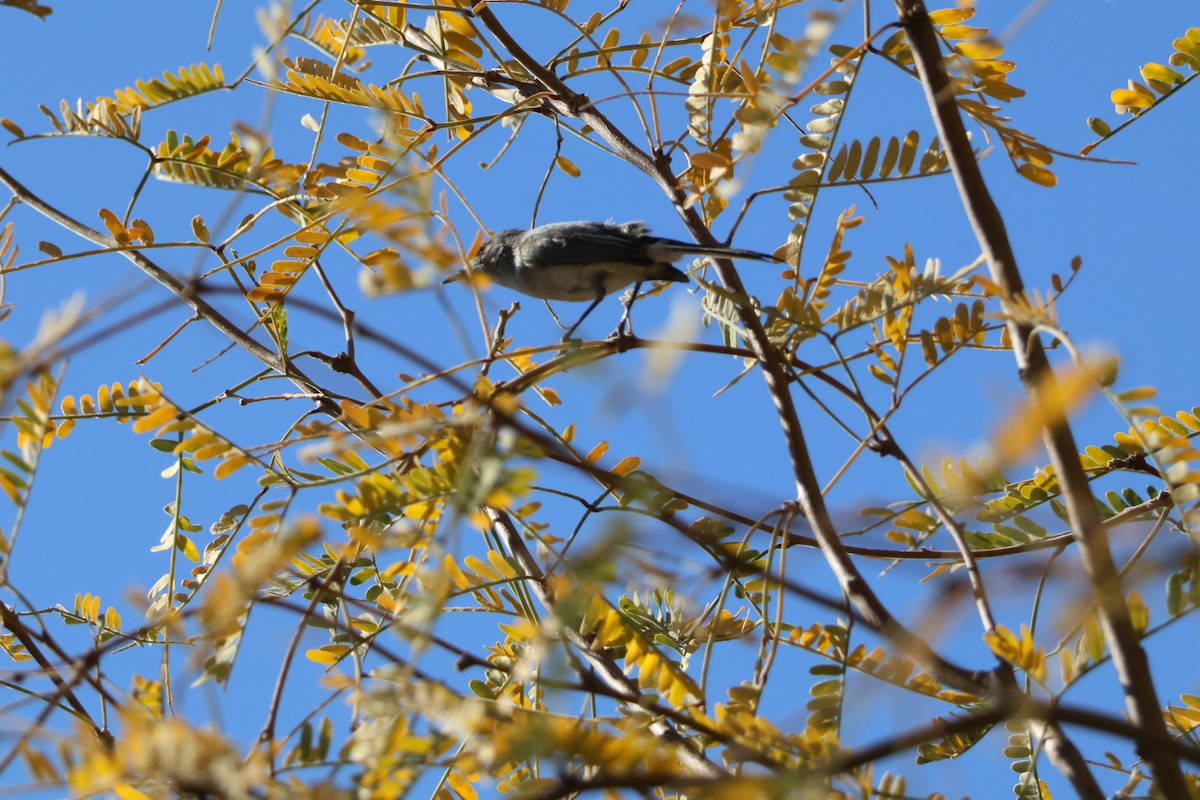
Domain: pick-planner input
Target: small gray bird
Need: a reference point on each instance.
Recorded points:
(580, 261)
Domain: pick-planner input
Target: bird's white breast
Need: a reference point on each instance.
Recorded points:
(574, 282)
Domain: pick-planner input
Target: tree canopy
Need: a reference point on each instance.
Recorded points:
(288, 516)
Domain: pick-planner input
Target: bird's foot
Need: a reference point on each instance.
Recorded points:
(622, 338)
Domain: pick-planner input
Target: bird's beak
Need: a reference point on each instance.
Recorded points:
(474, 277)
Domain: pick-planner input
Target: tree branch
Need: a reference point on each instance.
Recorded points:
(808, 489)
(185, 291)
(607, 670)
(1129, 659)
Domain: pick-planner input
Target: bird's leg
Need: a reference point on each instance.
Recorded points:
(598, 287)
(625, 326)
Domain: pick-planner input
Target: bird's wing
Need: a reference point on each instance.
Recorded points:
(581, 243)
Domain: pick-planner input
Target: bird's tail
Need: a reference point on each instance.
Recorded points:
(682, 248)
(732, 252)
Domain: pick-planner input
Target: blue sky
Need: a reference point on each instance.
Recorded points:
(97, 505)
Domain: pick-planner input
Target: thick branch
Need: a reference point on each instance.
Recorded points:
(1129, 659)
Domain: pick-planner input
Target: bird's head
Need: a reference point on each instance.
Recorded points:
(491, 255)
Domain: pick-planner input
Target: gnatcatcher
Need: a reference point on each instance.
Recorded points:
(580, 261)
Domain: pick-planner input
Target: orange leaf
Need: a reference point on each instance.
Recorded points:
(627, 465)
(597, 453)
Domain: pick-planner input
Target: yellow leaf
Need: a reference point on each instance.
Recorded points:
(962, 32)
(1131, 99)
(709, 160)
(950, 16)
(200, 229)
(10, 489)
(355, 414)
(485, 571)
(639, 55)
(1039, 175)
(456, 575)
(261, 295)
(983, 48)
(597, 453)
(878, 373)
(128, 792)
(362, 176)
(627, 465)
(746, 72)
(327, 655)
(231, 465)
(1190, 716)
(389, 604)
(301, 251)
(500, 564)
(1137, 394)
(115, 227)
(567, 166)
(521, 631)
(313, 236)
(1162, 74)
(214, 450)
(352, 142)
(1139, 612)
(156, 418)
(461, 786)
(1019, 650)
(676, 65)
